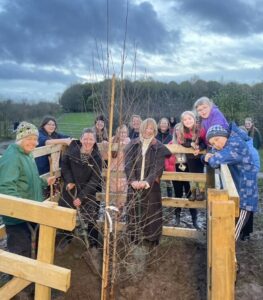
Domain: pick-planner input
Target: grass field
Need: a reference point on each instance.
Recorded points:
(73, 123)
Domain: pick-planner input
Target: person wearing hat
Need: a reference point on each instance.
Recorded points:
(19, 177)
(231, 147)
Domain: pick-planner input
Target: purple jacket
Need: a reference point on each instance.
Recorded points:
(216, 117)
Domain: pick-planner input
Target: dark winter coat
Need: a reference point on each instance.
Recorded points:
(42, 161)
(85, 175)
(144, 207)
(256, 137)
(133, 134)
(164, 137)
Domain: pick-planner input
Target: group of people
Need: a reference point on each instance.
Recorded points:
(143, 161)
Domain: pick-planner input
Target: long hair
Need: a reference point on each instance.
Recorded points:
(182, 130)
(117, 137)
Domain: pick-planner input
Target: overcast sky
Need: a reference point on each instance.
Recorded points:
(47, 45)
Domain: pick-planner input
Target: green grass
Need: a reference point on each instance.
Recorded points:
(73, 123)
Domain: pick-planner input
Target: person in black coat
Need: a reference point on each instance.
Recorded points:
(81, 172)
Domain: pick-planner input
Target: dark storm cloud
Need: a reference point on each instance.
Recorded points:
(13, 71)
(231, 17)
(63, 32)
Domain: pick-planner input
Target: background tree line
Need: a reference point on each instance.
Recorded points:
(157, 99)
(11, 112)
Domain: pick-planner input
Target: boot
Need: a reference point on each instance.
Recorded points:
(192, 197)
(169, 192)
(177, 219)
(194, 220)
(200, 196)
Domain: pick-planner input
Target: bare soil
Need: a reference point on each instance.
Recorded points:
(177, 270)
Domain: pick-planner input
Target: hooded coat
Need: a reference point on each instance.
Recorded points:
(243, 165)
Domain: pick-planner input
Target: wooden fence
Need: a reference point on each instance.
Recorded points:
(41, 271)
(222, 206)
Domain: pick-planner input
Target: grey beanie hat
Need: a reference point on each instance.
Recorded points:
(216, 130)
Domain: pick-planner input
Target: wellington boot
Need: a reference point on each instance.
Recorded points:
(192, 197)
(200, 196)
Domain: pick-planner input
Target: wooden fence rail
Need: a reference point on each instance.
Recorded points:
(222, 207)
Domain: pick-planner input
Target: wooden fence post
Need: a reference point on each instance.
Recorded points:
(221, 246)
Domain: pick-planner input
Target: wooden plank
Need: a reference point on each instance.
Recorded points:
(223, 250)
(183, 232)
(2, 232)
(45, 150)
(57, 173)
(210, 177)
(212, 195)
(229, 185)
(13, 287)
(166, 202)
(44, 213)
(46, 250)
(183, 202)
(181, 176)
(174, 148)
(35, 271)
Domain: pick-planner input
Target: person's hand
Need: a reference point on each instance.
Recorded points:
(135, 185)
(77, 202)
(70, 186)
(208, 156)
(68, 141)
(143, 184)
(51, 180)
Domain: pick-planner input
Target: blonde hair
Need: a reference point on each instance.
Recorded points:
(145, 123)
(181, 129)
(116, 138)
(203, 100)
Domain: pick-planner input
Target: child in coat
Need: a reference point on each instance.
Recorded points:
(232, 148)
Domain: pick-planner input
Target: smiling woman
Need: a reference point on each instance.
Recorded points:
(19, 177)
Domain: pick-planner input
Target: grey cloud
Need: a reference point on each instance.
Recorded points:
(12, 71)
(63, 32)
(232, 17)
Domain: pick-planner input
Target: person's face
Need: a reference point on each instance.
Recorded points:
(164, 125)
(123, 134)
(218, 142)
(87, 141)
(204, 110)
(50, 127)
(100, 124)
(29, 143)
(148, 132)
(136, 123)
(188, 121)
(248, 124)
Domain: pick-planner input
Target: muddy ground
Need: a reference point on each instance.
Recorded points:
(176, 271)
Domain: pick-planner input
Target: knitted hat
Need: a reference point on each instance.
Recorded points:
(25, 129)
(216, 130)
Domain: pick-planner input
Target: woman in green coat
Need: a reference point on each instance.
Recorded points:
(19, 177)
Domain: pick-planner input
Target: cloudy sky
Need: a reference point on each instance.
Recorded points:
(48, 45)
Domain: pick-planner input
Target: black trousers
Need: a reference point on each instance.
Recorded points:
(19, 239)
(179, 188)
